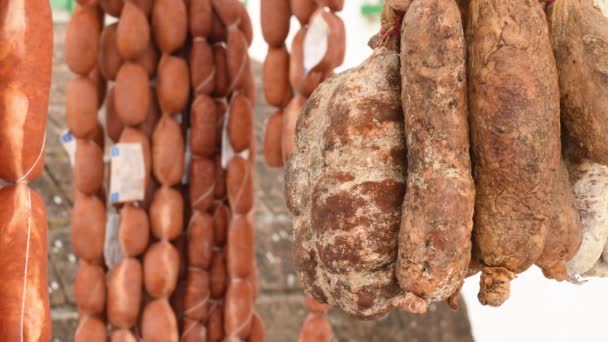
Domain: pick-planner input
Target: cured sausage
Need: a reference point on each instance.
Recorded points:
(437, 214)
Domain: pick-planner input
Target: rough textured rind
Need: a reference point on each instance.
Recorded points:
(579, 32)
(345, 183)
(591, 191)
(564, 233)
(437, 214)
(515, 136)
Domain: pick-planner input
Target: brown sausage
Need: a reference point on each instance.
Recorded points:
(222, 77)
(193, 331)
(132, 95)
(218, 30)
(202, 67)
(88, 228)
(303, 10)
(240, 185)
(440, 171)
(112, 7)
(170, 24)
(514, 116)
(302, 83)
(167, 213)
(196, 298)
(277, 90)
(258, 331)
(240, 123)
(202, 183)
(161, 267)
(218, 274)
(316, 328)
(25, 75)
(220, 178)
(133, 32)
(148, 126)
(88, 167)
(238, 309)
(89, 330)
(144, 5)
(134, 230)
(245, 24)
(200, 240)
(168, 151)
(100, 84)
(272, 140)
(81, 107)
(237, 57)
(125, 293)
(172, 84)
(114, 126)
(109, 59)
(315, 306)
(564, 234)
(334, 5)
(23, 248)
(82, 41)
(90, 288)
(215, 324)
(149, 59)
(275, 16)
(159, 323)
(123, 335)
(221, 218)
(201, 16)
(203, 123)
(240, 248)
(228, 11)
(290, 118)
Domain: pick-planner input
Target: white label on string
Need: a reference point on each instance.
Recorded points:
(602, 5)
(315, 42)
(128, 173)
(227, 150)
(69, 145)
(187, 158)
(111, 249)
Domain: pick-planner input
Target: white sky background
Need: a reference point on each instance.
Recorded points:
(539, 309)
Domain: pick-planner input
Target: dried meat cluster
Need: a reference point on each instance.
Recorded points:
(431, 162)
(179, 250)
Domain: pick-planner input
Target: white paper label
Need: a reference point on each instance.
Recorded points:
(111, 249)
(315, 42)
(128, 172)
(227, 150)
(603, 6)
(187, 158)
(69, 144)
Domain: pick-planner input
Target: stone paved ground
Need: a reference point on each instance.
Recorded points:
(280, 300)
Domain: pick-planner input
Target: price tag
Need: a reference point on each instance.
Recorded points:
(315, 42)
(68, 142)
(128, 173)
(111, 249)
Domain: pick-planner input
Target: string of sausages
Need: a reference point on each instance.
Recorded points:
(202, 145)
(26, 42)
(232, 33)
(84, 97)
(289, 80)
(200, 282)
